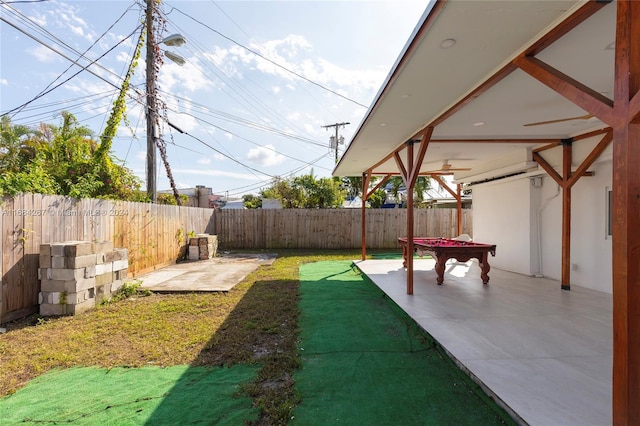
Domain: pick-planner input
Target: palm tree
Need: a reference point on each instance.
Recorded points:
(423, 184)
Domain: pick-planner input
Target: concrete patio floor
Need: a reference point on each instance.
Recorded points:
(218, 274)
(544, 354)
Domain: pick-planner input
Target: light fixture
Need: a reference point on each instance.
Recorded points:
(447, 43)
(174, 40)
(479, 123)
(382, 124)
(405, 96)
(175, 57)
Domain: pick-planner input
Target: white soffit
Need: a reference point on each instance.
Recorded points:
(488, 34)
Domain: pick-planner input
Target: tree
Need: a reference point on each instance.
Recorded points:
(17, 146)
(423, 184)
(62, 160)
(306, 192)
(377, 199)
(251, 201)
(170, 199)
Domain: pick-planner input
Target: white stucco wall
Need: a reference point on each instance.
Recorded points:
(507, 213)
(504, 214)
(590, 247)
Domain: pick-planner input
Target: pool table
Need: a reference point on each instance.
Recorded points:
(443, 249)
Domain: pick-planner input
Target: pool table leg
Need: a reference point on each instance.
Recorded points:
(440, 264)
(404, 256)
(485, 268)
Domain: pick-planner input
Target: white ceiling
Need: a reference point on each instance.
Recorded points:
(428, 80)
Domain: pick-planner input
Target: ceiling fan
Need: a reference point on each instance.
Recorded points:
(448, 168)
(560, 120)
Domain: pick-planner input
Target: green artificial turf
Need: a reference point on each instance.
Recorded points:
(365, 362)
(133, 396)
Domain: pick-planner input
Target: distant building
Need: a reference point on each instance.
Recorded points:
(271, 203)
(200, 196)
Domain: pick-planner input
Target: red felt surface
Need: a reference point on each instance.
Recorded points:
(445, 242)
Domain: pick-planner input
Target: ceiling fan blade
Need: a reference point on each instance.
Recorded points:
(560, 120)
(448, 171)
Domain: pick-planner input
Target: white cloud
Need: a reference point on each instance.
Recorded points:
(188, 76)
(4, 81)
(294, 116)
(43, 54)
(77, 30)
(265, 156)
(204, 161)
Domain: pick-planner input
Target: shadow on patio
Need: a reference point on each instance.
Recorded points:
(544, 353)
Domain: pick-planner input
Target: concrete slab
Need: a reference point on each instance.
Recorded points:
(543, 353)
(220, 273)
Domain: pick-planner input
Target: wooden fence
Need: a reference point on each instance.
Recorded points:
(330, 229)
(157, 235)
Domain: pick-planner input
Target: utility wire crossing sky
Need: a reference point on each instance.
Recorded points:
(261, 85)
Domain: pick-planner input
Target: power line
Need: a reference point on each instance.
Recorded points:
(82, 55)
(269, 60)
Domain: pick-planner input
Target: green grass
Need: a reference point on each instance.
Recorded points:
(255, 323)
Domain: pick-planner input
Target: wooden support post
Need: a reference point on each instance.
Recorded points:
(363, 220)
(459, 199)
(565, 282)
(409, 218)
(626, 217)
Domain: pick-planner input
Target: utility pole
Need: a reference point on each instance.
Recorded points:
(152, 108)
(336, 140)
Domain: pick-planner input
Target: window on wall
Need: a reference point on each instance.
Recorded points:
(609, 204)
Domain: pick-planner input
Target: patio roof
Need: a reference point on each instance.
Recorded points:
(457, 73)
(488, 86)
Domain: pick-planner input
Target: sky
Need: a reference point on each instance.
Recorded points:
(260, 81)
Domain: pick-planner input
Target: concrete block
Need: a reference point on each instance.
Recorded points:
(80, 261)
(45, 250)
(79, 297)
(77, 248)
(74, 298)
(90, 271)
(104, 279)
(117, 254)
(102, 292)
(41, 298)
(120, 275)
(53, 285)
(120, 264)
(54, 297)
(81, 307)
(104, 268)
(44, 273)
(102, 247)
(81, 284)
(100, 258)
(194, 253)
(48, 309)
(44, 261)
(66, 274)
(57, 249)
(58, 262)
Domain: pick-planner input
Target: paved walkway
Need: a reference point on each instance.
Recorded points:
(220, 273)
(546, 354)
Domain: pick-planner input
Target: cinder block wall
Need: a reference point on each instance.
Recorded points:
(77, 275)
